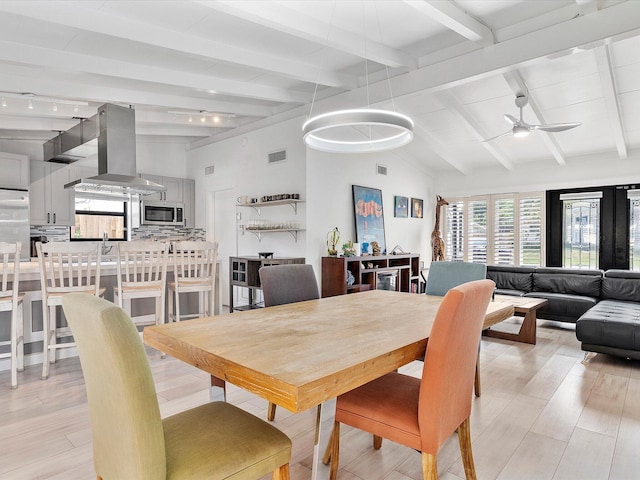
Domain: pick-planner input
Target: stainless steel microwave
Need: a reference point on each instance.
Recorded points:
(161, 213)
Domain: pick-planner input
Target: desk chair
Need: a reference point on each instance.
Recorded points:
(445, 275)
(283, 284)
(131, 441)
(65, 267)
(423, 413)
(11, 301)
(194, 270)
(142, 273)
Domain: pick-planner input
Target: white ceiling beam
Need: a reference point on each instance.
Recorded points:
(109, 24)
(518, 86)
(95, 92)
(19, 122)
(587, 6)
(74, 62)
(272, 15)
(174, 130)
(466, 118)
(611, 24)
(605, 68)
(455, 19)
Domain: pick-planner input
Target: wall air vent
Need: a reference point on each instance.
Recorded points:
(209, 170)
(381, 169)
(276, 157)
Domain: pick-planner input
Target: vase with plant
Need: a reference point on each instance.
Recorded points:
(333, 238)
(348, 249)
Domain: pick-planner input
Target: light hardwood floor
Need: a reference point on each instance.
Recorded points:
(542, 415)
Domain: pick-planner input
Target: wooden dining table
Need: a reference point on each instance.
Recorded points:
(305, 354)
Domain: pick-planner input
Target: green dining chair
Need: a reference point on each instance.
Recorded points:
(130, 441)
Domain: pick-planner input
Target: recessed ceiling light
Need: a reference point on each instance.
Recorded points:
(55, 107)
(4, 102)
(30, 105)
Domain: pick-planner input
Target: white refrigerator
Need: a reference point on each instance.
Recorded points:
(14, 219)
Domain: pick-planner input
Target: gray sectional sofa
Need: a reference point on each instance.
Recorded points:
(605, 306)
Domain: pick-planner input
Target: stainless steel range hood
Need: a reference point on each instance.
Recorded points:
(116, 138)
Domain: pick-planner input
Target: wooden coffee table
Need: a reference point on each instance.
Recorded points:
(523, 307)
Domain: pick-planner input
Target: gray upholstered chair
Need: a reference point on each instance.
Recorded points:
(131, 441)
(443, 276)
(287, 284)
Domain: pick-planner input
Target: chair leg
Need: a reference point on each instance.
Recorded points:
(464, 438)
(20, 337)
(377, 442)
(170, 310)
(271, 413)
(45, 339)
(14, 348)
(53, 339)
(335, 451)
(281, 473)
(476, 383)
(429, 466)
(177, 318)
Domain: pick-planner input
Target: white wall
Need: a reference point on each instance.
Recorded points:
(324, 182)
(329, 188)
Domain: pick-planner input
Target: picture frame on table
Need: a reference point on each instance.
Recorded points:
(400, 206)
(416, 207)
(369, 215)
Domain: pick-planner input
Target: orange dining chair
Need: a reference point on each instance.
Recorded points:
(131, 441)
(283, 284)
(423, 413)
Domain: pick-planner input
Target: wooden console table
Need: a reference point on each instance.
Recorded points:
(243, 272)
(390, 272)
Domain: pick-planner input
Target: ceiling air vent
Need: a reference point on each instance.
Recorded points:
(381, 169)
(275, 157)
(209, 170)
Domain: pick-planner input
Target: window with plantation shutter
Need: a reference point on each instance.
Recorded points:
(501, 229)
(530, 231)
(504, 231)
(477, 231)
(454, 231)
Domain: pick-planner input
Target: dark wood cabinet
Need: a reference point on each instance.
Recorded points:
(389, 272)
(243, 272)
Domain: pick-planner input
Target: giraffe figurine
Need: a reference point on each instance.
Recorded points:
(436, 237)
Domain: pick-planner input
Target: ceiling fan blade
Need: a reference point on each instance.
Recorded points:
(556, 127)
(510, 119)
(497, 136)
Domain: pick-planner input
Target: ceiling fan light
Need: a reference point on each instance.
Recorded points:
(520, 132)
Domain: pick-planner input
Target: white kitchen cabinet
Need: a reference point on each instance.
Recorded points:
(189, 199)
(15, 171)
(174, 188)
(49, 202)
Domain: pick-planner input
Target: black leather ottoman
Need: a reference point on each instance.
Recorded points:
(611, 327)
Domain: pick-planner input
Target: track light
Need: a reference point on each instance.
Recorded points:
(55, 107)
(30, 105)
(4, 102)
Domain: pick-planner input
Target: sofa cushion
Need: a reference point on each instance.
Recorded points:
(513, 293)
(563, 307)
(568, 281)
(621, 285)
(511, 278)
(611, 323)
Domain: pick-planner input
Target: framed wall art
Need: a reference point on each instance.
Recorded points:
(400, 206)
(416, 207)
(369, 215)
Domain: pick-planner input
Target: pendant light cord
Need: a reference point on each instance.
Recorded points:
(326, 41)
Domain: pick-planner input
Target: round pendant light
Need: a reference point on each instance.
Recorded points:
(357, 131)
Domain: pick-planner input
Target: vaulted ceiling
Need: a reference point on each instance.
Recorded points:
(201, 71)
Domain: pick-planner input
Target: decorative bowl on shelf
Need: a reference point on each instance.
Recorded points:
(265, 254)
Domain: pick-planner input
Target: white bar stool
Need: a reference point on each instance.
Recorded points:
(65, 267)
(11, 301)
(194, 270)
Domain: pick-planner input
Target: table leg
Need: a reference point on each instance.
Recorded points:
(526, 334)
(324, 426)
(218, 390)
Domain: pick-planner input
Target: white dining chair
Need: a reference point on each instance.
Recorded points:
(11, 301)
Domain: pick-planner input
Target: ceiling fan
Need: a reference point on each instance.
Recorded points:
(520, 128)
